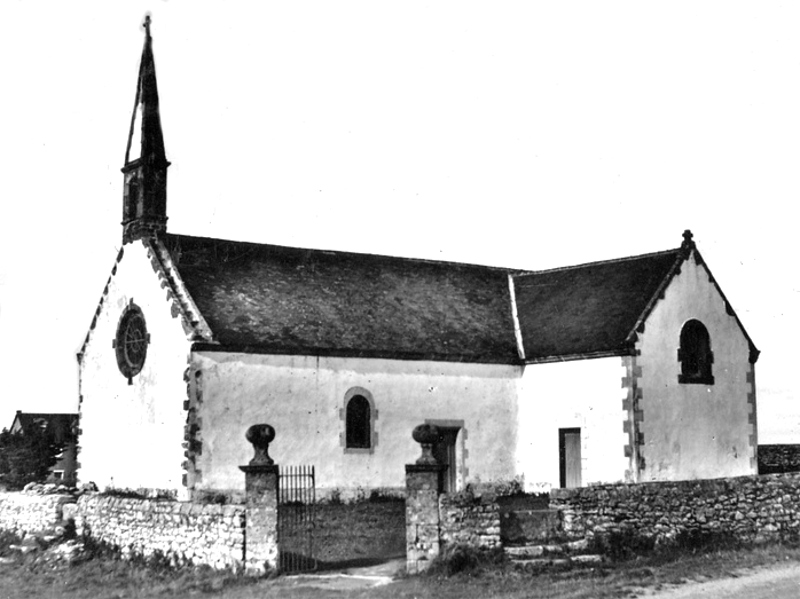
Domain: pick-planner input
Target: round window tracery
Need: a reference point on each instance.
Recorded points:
(131, 342)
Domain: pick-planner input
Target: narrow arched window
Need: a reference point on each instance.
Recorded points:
(358, 423)
(695, 354)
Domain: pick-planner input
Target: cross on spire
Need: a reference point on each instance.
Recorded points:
(146, 24)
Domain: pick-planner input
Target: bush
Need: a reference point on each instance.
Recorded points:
(622, 545)
(28, 457)
(8, 538)
(696, 540)
(380, 496)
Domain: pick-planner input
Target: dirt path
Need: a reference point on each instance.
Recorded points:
(348, 579)
(780, 581)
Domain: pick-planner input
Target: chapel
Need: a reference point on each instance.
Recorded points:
(634, 369)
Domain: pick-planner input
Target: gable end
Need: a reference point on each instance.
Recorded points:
(100, 305)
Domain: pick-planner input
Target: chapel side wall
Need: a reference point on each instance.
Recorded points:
(585, 394)
(691, 431)
(303, 398)
(131, 436)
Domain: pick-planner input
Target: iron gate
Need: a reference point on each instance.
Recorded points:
(296, 518)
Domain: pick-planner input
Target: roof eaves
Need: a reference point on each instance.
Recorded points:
(200, 346)
(605, 353)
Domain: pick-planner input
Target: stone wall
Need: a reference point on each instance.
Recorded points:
(752, 508)
(182, 532)
(27, 512)
(435, 520)
(469, 519)
(778, 458)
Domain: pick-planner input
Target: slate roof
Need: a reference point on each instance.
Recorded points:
(590, 308)
(266, 298)
(259, 298)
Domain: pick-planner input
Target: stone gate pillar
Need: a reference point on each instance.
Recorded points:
(261, 504)
(423, 486)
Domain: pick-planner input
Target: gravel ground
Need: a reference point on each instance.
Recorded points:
(781, 581)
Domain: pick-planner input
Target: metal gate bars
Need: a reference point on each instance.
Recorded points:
(296, 519)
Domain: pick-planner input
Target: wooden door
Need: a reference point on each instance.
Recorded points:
(569, 451)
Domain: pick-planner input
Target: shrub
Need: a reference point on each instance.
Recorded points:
(28, 457)
(8, 538)
(621, 545)
(380, 496)
(696, 540)
(215, 498)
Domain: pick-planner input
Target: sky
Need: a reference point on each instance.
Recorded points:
(518, 134)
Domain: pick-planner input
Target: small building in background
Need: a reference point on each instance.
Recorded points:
(63, 428)
(778, 458)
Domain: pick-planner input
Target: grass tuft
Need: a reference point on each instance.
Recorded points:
(466, 559)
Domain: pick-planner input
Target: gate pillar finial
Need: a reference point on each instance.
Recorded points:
(426, 435)
(261, 435)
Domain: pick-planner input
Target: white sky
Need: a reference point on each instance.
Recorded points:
(525, 134)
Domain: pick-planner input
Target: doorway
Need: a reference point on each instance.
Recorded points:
(569, 457)
(446, 451)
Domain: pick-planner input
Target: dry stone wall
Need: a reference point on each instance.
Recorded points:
(435, 520)
(469, 519)
(751, 508)
(24, 513)
(182, 532)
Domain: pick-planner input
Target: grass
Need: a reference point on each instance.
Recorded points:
(100, 575)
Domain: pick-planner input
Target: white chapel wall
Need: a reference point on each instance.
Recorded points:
(694, 430)
(302, 397)
(132, 435)
(585, 394)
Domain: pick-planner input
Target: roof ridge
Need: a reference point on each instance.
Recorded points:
(600, 262)
(499, 269)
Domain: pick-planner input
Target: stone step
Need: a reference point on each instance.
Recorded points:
(552, 550)
(550, 562)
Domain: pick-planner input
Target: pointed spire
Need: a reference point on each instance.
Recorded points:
(145, 109)
(145, 200)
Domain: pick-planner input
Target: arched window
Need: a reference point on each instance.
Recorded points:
(695, 354)
(357, 423)
(358, 416)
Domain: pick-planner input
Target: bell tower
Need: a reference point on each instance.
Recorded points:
(144, 205)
